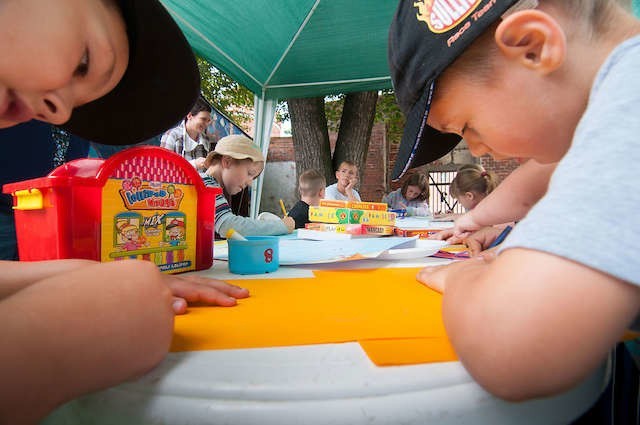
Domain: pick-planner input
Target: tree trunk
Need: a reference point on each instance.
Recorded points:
(310, 136)
(355, 129)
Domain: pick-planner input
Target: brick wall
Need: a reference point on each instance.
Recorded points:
(373, 184)
(501, 168)
(280, 149)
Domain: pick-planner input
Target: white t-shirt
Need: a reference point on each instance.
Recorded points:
(590, 212)
(331, 192)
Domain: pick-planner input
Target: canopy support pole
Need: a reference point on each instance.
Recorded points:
(265, 110)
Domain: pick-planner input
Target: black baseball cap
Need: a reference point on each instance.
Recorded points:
(159, 87)
(425, 37)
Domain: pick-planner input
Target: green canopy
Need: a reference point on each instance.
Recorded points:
(290, 48)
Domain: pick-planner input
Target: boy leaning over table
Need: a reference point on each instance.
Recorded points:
(550, 81)
(70, 327)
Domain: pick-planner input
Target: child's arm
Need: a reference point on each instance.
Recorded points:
(78, 332)
(17, 276)
(350, 190)
(509, 202)
(531, 324)
(250, 227)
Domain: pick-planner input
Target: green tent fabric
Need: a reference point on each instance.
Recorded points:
(290, 48)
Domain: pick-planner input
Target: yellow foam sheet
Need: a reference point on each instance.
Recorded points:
(396, 319)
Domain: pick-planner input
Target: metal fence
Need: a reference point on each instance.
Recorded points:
(440, 200)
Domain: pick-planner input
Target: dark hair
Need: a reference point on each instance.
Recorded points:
(416, 179)
(200, 106)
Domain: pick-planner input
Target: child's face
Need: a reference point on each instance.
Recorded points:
(346, 173)
(236, 175)
(519, 115)
(58, 55)
(412, 192)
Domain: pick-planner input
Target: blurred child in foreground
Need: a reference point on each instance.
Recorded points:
(542, 82)
(71, 327)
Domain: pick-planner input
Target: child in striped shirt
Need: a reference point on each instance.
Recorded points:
(233, 165)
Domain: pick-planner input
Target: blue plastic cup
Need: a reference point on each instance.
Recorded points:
(256, 255)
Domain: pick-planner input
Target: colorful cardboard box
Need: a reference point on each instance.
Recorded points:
(146, 203)
(376, 206)
(335, 215)
(352, 229)
(422, 233)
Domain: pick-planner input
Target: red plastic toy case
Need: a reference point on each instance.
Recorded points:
(145, 202)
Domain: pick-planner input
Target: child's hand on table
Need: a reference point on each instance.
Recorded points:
(479, 241)
(436, 277)
(196, 289)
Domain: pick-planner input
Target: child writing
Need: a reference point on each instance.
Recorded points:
(233, 165)
(311, 188)
(498, 84)
(344, 188)
(412, 196)
(70, 327)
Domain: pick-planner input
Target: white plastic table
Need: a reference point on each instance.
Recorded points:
(324, 384)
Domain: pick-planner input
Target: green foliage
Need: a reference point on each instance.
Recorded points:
(387, 112)
(230, 97)
(225, 94)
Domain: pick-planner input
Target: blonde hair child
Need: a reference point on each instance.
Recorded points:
(472, 184)
(311, 186)
(546, 80)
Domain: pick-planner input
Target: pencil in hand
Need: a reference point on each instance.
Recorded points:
(284, 210)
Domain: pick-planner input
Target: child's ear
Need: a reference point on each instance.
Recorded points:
(226, 161)
(321, 193)
(534, 39)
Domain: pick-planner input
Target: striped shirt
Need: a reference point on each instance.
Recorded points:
(225, 219)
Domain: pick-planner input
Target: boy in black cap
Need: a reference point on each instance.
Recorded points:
(70, 327)
(547, 81)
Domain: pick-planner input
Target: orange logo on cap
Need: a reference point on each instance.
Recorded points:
(443, 15)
